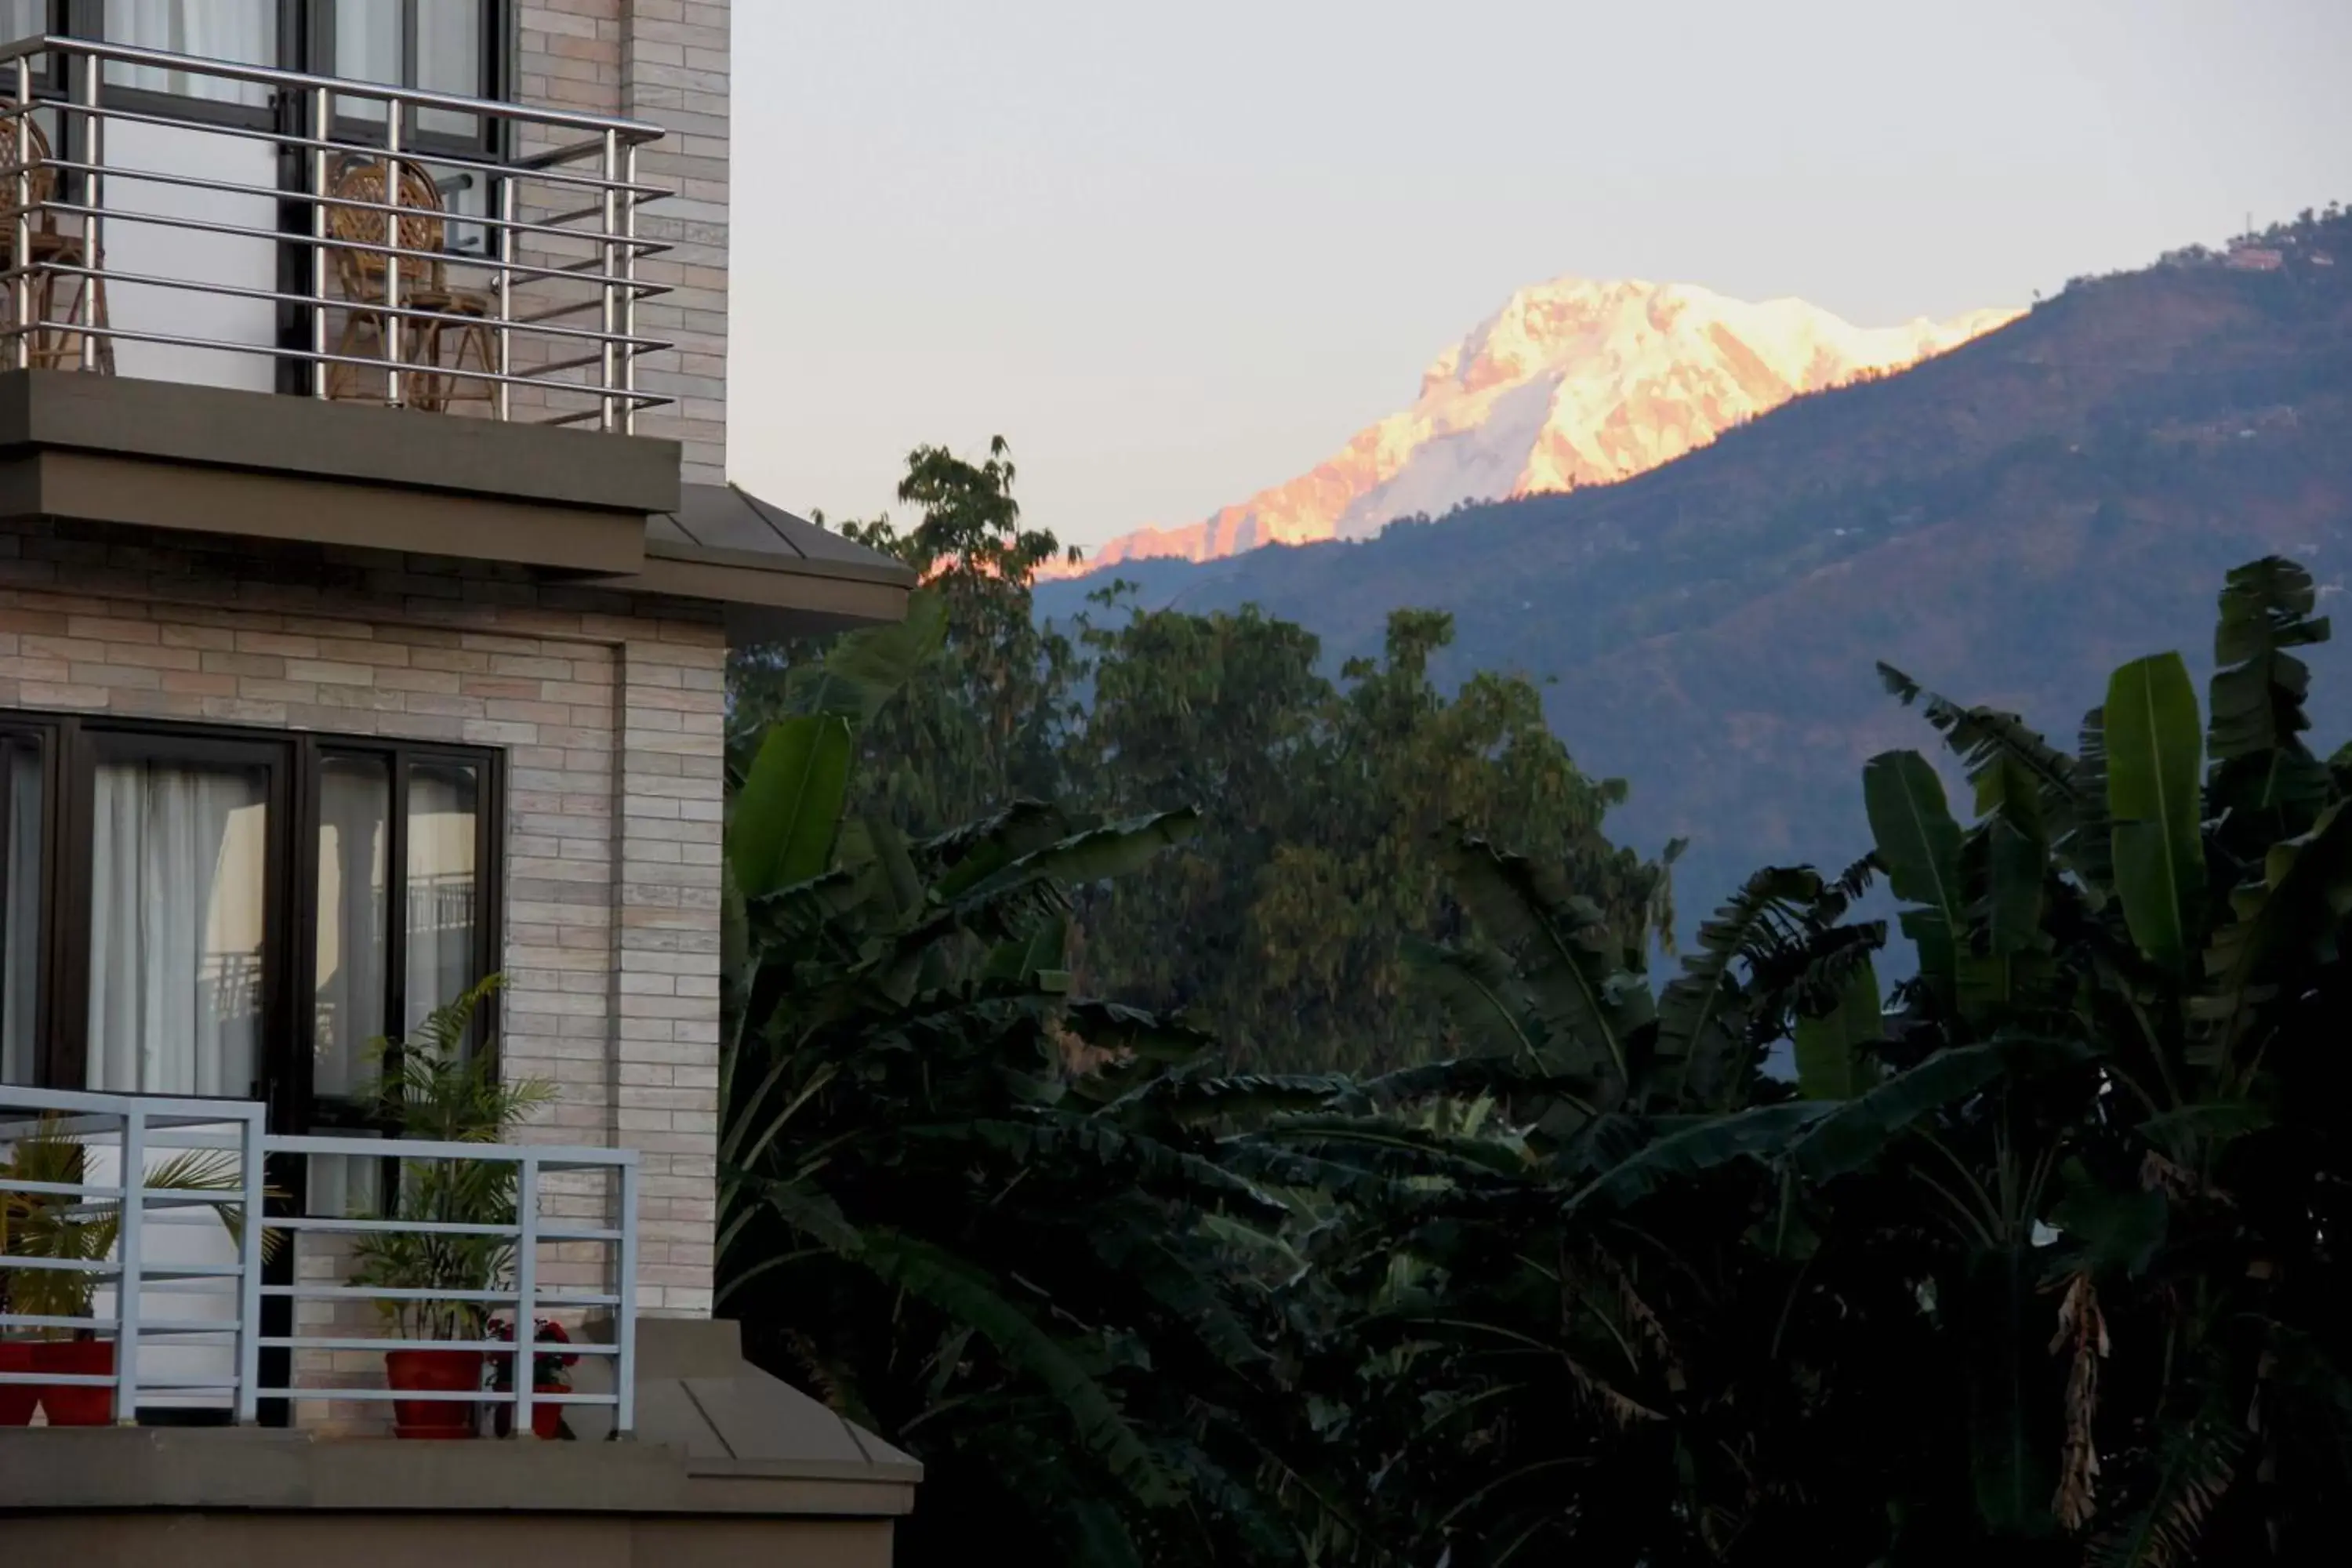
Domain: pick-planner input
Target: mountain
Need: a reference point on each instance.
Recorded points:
(1573, 383)
(2005, 522)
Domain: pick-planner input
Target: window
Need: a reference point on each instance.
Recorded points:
(440, 46)
(209, 911)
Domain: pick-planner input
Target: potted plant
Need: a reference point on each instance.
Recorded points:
(434, 1086)
(60, 1226)
(549, 1375)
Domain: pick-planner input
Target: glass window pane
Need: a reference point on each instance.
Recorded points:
(367, 49)
(353, 931)
(22, 18)
(20, 907)
(243, 32)
(444, 806)
(179, 855)
(448, 59)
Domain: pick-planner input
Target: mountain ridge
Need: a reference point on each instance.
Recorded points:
(1575, 381)
(2004, 521)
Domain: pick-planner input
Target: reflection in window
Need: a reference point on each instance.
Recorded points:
(23, 19)
(354, 845)
(436, 45)
(20, 907)
(444, 807)
(242, 32)
(178, 863)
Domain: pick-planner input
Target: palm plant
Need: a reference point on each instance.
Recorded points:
(438, 1085)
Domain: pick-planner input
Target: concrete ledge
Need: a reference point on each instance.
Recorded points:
(348, 442)
(171, 1539)
(107, 1469)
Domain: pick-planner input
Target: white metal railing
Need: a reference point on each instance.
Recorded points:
(548, 304)
(228, 1137)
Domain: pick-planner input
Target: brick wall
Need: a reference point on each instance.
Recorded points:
(664, 61)
(608, 711)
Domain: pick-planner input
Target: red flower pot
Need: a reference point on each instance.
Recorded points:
(436, 1372)
(16, 1399)
(546, 1420)
(76, 1404)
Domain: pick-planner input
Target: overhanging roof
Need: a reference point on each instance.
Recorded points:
(778, 575)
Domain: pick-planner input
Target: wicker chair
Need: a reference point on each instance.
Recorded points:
(48, 248)
(424, 285)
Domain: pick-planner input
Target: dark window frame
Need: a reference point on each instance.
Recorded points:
(71, 745)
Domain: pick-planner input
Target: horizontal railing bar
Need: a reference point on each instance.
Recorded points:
(154, 1107)
(62, 1379)
(418, 97)
(548, 1157)
(60, 1189)
(420, 1293)
(350, 203)
(294, 140)
(444, 1396)
(566, 274)
(487, 1347)
(40, 1321)
(586, 389)
(361, 306)
(360, 1225)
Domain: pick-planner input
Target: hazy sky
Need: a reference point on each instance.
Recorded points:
(1177, 252)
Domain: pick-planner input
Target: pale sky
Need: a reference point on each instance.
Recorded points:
(1178, 252)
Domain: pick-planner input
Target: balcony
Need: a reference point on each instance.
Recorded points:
(346, 241)
(154, 1301)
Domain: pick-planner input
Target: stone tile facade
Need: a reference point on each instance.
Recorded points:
(666, 62)
(608, 711)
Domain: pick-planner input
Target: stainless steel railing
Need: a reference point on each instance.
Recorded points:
(548, 305)
(89, 1218)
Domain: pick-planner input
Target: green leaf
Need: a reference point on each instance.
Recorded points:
(1919, 845)
(867, 667)
(786, 814)
(1854, 1133)
(1569, 962)
(959, 1288)
(1703, 1012)
(1834, 1061)
(2155, 749)
(1695, 1146)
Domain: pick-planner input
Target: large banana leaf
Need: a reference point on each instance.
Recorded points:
(2264, 778)
(2155, 749)
(784, 818)
(1702, 1014)
(1588, 1003)
(867, 668)
(1836, 1059)
(1919, 845)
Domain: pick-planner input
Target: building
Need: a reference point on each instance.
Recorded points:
(367, 573)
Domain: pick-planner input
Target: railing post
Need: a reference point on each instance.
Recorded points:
(322, 120)
(22, 291)
(93, 246)
(395, 335)
(502, 389)
(624, 1312)
(129, 1233)
(607, 408)
(522, 1367)
(629, 295)
(254, 1186)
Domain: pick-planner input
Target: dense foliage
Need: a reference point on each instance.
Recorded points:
(1315, 863)
(2034, 1260)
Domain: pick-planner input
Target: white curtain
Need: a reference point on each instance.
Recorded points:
(354, 818)
(23, 19)
(177, 860)
(20, 915)
(442, 801)
(242, 31)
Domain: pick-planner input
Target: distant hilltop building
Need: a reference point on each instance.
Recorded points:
(2256, 258)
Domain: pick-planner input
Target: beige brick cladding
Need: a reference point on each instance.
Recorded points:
(608, 710)
(665, 62)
